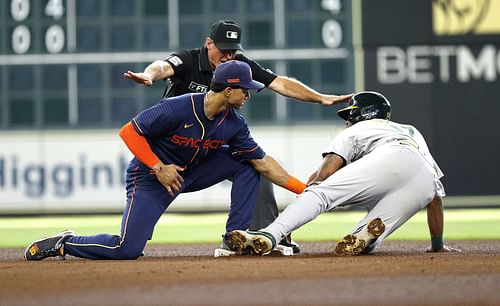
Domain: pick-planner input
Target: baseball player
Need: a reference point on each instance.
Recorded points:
(192, 70)
(182, 144)
(383, 166)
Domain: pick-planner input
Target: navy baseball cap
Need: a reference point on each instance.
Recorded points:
(236, 74)
(226, 35)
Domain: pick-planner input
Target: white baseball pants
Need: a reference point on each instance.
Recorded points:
(393, 182)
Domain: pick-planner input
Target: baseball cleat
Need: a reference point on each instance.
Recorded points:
(259, 243)
(48, 247)
(225, 249)
(356, 244)
(283, 250)
(289, 243)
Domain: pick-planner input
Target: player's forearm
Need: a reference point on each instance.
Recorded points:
(273, 171)
(435, 217)
(331, 164)
(139, 146)
(312, 178)
(158, 70)
(295, 89)
(435, 222)
(270, 168)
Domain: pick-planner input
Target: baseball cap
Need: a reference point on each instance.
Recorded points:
(236, 74)
(226, 35)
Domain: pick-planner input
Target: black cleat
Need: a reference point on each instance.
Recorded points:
(289, 243)
(48, 247)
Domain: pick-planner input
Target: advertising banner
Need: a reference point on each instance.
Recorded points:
(78, 171)
(438, 62)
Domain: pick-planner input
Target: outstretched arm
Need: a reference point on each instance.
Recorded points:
(272, 170)
(295, 89)
(435, 220)
(158, 70)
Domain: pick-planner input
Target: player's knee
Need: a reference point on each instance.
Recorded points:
(128, 252)
(131, 255)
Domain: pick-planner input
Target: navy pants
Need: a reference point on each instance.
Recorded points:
(147, 200)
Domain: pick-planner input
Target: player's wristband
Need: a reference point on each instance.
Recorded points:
(294, 185)
(437, 242)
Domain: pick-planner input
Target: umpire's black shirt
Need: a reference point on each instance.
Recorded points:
(193, 73)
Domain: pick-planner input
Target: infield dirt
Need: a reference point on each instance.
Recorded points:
(399, 273)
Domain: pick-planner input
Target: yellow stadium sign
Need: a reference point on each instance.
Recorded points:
(460, 17)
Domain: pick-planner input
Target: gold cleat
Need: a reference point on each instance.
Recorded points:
(259, 243)
(356, 244)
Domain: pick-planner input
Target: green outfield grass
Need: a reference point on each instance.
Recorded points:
(463, 224)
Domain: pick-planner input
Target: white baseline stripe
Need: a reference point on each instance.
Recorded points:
(141, 57)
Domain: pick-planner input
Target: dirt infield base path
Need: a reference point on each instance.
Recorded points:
(399, 273)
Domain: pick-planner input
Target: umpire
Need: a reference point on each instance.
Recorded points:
(191, 70)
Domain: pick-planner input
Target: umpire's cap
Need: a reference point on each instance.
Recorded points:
(236, 74)
(226, 35)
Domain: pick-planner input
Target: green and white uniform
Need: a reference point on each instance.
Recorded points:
(388, 170)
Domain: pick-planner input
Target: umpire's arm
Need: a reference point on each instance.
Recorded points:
(158, 70)
(297, 90)
(272, 170)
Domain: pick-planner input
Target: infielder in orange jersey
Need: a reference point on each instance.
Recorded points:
(377, 164)
(182, 144)
(192, 70)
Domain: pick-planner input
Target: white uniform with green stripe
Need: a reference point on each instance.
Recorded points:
(389, 170)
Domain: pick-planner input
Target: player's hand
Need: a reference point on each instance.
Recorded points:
(333, 99)
(444, 249)
(138, 77)
(168, 176)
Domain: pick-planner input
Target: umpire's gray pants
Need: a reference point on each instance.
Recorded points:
(266, 209)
